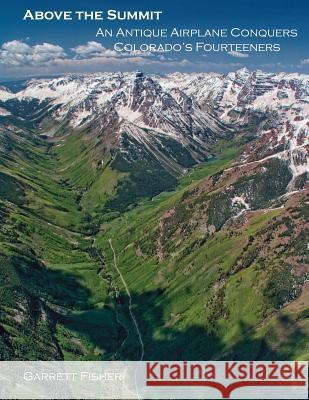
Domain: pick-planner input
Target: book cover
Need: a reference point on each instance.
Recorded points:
(154, 199)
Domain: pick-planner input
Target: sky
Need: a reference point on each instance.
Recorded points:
(35, 47)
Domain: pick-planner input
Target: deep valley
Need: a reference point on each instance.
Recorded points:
(154, 217)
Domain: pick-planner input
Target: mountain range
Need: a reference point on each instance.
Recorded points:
(154, 216)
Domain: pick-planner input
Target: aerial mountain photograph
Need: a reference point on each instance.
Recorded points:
(153, 181)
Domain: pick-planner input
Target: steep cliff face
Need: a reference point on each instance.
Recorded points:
(179, 113)
(277, 103)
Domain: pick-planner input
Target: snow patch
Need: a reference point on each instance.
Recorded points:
(240, 202)
(4, 112)
(128, 114)
(80, 118)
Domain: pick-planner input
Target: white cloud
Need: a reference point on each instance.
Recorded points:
(238, 54)
(138, 53)
(305, 61)
(18, 58)
(121, 63)
(93, 49)
(18, 53)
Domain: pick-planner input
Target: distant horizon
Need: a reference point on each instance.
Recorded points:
(55, 75)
